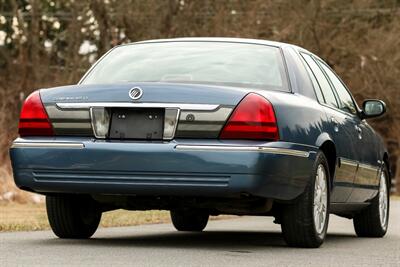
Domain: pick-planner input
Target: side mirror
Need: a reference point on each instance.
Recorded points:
(373, 108)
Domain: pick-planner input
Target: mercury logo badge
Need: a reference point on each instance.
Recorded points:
(135, 93)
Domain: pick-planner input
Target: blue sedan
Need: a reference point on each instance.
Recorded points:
(206, 126)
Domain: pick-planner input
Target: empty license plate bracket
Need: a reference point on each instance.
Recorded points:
(130, 123)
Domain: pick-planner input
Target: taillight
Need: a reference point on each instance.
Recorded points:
(33, 120)
(253, 118)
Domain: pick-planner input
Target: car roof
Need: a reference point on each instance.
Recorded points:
(221, 39)
(225, 39)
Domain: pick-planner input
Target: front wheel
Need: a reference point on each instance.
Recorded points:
(305, 223)
(73, 216)
(373, 221)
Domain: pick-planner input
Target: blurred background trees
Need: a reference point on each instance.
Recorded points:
(45, 43)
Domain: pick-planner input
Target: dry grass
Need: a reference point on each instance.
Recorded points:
(22, 217)
(9, 192)
(32, 217)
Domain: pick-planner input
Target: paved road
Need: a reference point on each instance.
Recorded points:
(245, 241)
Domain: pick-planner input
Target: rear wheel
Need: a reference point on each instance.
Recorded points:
(73, 216)
(373, 221)
(305, 223)
(189, 220)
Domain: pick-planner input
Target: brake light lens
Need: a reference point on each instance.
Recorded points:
(33, 120)
(253, 118)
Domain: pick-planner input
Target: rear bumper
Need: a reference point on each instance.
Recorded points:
(204, 168)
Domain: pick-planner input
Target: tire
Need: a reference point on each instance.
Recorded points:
(300, 228)
(189, 220)
(73, 216)
(369, 223)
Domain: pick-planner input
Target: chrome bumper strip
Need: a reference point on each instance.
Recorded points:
(47, 145)
(261, 149)
(182, 106)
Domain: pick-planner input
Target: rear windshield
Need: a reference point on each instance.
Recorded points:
(218, 63)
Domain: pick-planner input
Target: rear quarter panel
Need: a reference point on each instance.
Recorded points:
(300, 119)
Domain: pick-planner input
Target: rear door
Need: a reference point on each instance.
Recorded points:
(340, 126)
(366, 176)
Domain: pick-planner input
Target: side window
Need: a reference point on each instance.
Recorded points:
(346, 101)
(317, 89)
(326, 88)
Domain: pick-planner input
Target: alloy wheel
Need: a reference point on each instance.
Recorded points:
(383, 201)
(320, 199)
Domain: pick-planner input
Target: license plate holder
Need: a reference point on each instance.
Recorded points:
(142, 124)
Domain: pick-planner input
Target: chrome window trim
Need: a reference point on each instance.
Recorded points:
(182, 106)
(283, 68)
(261, 149)
(309, 74)
(341, 111)
(47, 145)
(321, 62)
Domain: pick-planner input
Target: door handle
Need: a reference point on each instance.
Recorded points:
(359, 131)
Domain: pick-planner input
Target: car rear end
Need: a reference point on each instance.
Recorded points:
(170, 138)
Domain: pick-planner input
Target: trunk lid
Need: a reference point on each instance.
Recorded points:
(152, 92)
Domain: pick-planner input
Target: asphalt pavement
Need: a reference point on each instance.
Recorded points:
(242, 241)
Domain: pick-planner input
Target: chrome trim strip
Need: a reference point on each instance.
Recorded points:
(92, 122)
(178, 114)
(171, 117)
(198, 124)
(220, 115)
(92, 125)
(360, 165)
(47, 145)
(72, 125)
(312, 146)
(348, 162)
(368, 167)
(261, 149)
(57, 114)
(181, 106)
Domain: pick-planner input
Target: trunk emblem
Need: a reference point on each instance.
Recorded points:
(135, 93)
